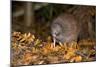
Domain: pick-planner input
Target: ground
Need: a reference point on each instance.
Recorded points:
(26, 49)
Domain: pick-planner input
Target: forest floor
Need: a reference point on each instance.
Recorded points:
(26, 49)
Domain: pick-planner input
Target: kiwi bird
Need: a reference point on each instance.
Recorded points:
(65, 29)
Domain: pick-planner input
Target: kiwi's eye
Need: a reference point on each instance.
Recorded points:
(57, 34)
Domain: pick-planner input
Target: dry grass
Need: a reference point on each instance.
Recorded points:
(26, 49)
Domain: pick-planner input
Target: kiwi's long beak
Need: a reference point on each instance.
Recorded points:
(54, 42)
